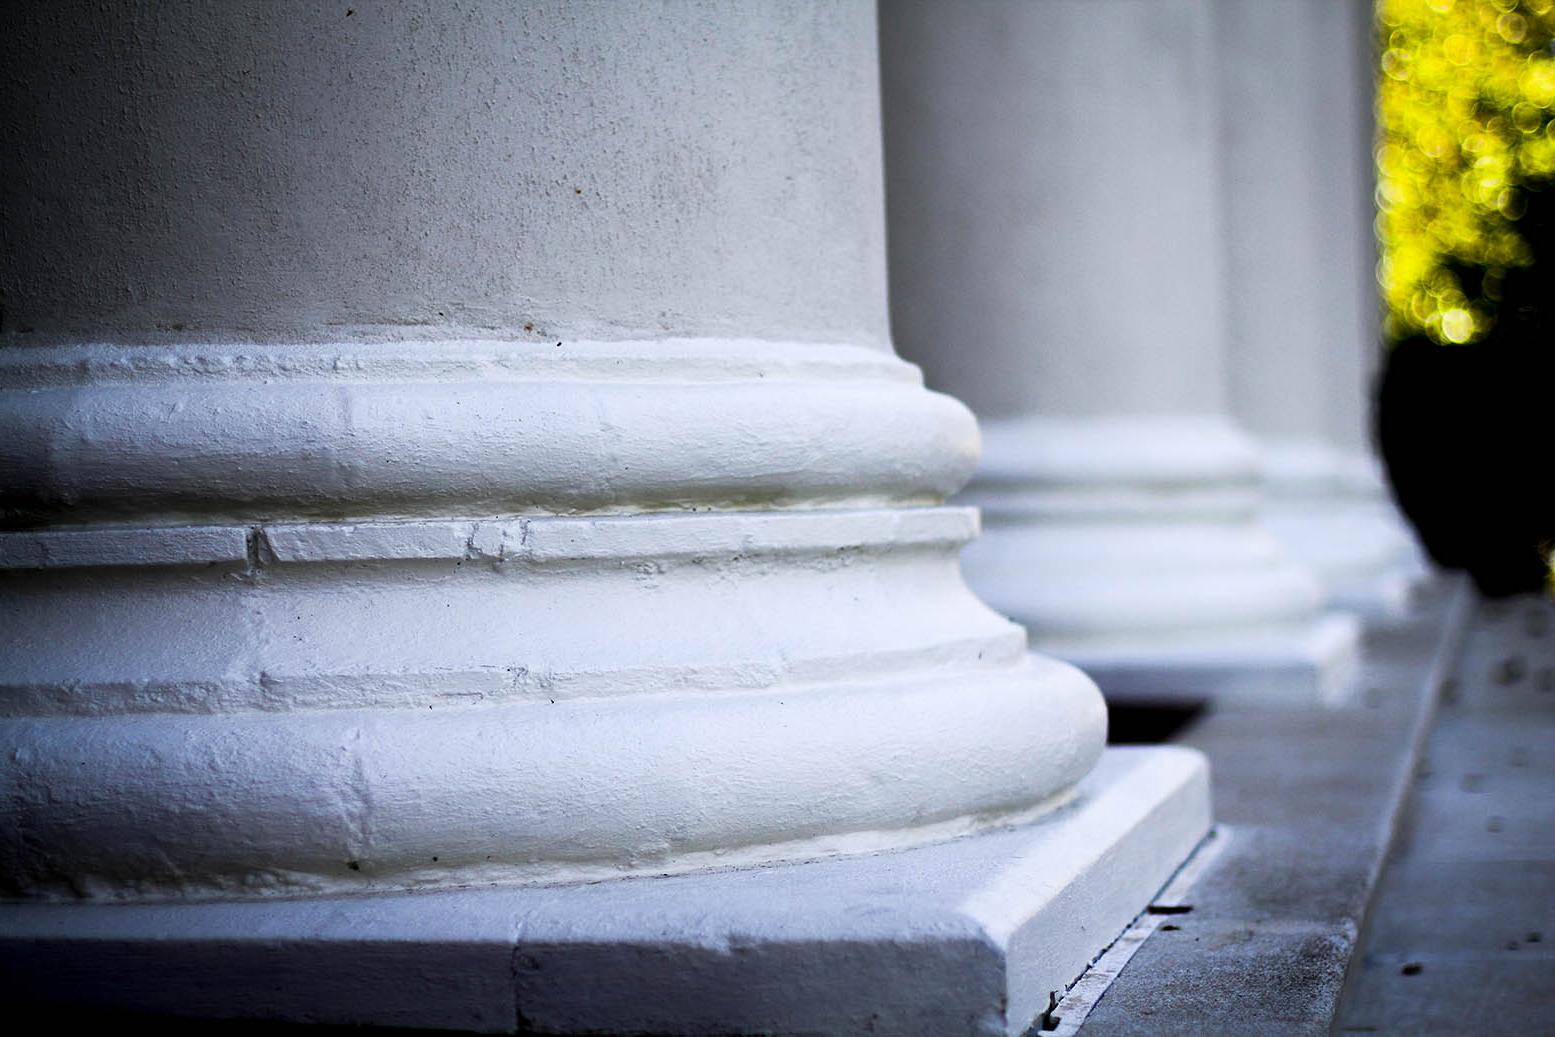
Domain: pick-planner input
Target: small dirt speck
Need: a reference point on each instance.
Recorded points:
(1050, 1019)
(1510, 670)
(1412, 968)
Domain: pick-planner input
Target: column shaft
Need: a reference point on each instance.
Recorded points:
(1295, 106)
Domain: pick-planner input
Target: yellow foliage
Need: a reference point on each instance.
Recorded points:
(1465, 101)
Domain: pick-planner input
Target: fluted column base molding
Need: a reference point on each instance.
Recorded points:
(284, 620)
(1132, 547)
(560, 687)
(1332, 511)
(968, 936)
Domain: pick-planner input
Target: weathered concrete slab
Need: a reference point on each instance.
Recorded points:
(1244, 978)
(1310, 801)
(1454, 995)
(1459, 937)
(1492, 905)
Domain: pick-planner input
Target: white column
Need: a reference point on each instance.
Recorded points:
(1295, 104)
(1057, 262)
(455, 446)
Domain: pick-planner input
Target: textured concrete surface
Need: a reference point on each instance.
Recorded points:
(1459, 937)
(1309, 801)
(537, 171)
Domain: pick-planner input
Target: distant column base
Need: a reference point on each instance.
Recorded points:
(1378, 585)
(967, 936)
(1133, 548)
(1331, 510)
(1311, 665)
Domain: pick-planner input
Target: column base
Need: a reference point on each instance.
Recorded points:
(353, 617)
(1365, 558)
(1300, 666)
(969, 936)
(1390, 597)
(1330, 508)
(1131, 546)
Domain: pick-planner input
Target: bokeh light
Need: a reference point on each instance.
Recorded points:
(1465, 98)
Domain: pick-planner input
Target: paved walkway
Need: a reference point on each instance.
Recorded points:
(1307, 802)
(1462, 931)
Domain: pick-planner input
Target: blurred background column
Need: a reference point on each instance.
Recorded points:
(1295, 104)
(1058, 261)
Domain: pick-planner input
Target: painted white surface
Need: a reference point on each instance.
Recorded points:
(1279, 305)
(1054, 204)
(1295, 135)
(1295, 97)
(964, 937)
(1131, 548)
(484, 464)
(1101, 530)
(1285, 666)
(259, 705)
(1059, 262)
(190, 432)
(1346, 92)
(1332, 510)
(481, 474)
(286, 171)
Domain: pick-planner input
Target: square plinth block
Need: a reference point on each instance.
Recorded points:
(1316, 665)
(970, 936)
(1389, 598)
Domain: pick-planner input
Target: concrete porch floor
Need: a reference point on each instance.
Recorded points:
(1460, 928)
(1387, 868)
